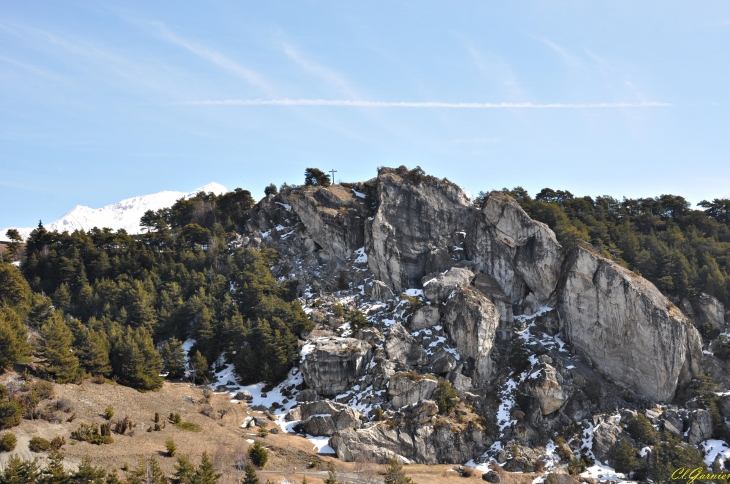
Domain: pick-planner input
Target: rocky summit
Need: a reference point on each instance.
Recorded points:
(451, 331)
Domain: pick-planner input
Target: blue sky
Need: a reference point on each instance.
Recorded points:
(106, 100)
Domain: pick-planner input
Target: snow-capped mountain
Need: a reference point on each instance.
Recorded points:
(121, 215)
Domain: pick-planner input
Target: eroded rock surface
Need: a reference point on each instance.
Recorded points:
(404, 389)
(471, 321)
(626, 327)
(333, 365)
(545, 384)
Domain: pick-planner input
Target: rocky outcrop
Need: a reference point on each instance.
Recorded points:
(333, 365)
(489, 286)
(546, 385)
(424, 317)
(711, 311)
(626, 327)
(700, 426)
(409, 443)
(380, 292)
(606, 434)
(438, 287)
(517, 251)
(471, 321)
(412, 234)
(403, 348)
(324, 417)
(408, 388)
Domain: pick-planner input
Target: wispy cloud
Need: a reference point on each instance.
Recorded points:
(329, 76)
(30, 68)
(427, 104)
(215, 57)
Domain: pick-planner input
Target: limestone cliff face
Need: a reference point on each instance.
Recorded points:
(521, 254)
(416, 230)
(334, 364)
(471, 321)
(625, 326)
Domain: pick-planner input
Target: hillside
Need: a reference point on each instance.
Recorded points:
(396, 318)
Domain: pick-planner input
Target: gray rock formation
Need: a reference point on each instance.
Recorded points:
(403, 348)
(606, 433)
(626, 327)
(412, 234)
(380, 292)
(517, 251)
(424, 317)
(700, 426)
(711, 311)
(423, 444)
(404, 389)
(471, 321)
(335, 364)
(545, 384)
(325, 417)
(489, 286)
(438, 287)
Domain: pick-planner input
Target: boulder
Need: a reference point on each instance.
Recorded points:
(443, 362)
(711, 311)
(415, 227)
(471, 321)
(517, 251)
(410, 443)
(403, 348)
(438, 287)
(421, 412)
(606, 434)
(307, 395)
(625, 327)
(380, 292)
(371, 335)
(700, 426)
(545, 384)
(424, 317)
(325, 418)
(244, 395)
(409, 388)
(333, 365)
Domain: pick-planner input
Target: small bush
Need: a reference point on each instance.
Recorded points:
(263, 432)
(44, 389)
(92, 434)
(171, 447)
(189, 426)
(358, 320)
(175, 418)
(123, 425)
(8, 442)
(98, 379)
(58, 442)
(641, 429)
(109, 412)
(445, 396)
(258, 455)
(157, 417)
(39, 444)
(11, 414)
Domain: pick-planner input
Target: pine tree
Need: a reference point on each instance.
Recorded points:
(88, 474)
(135, 360)
(205, 474)
(394, 473)
(13, 339)
(19, 471)
(199, 368)
(251, 477)
(147, 472)
(174, 358)
(60, 362)
(184, 471)
(331, 475)
(54, 472)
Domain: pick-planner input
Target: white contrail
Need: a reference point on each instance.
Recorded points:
(405, 104)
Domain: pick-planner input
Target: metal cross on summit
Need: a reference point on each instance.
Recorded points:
(333, 175)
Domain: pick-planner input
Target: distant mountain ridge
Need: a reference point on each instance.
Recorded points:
(124, 214)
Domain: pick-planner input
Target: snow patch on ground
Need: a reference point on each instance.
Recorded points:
(713, 449)
(362, 257)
